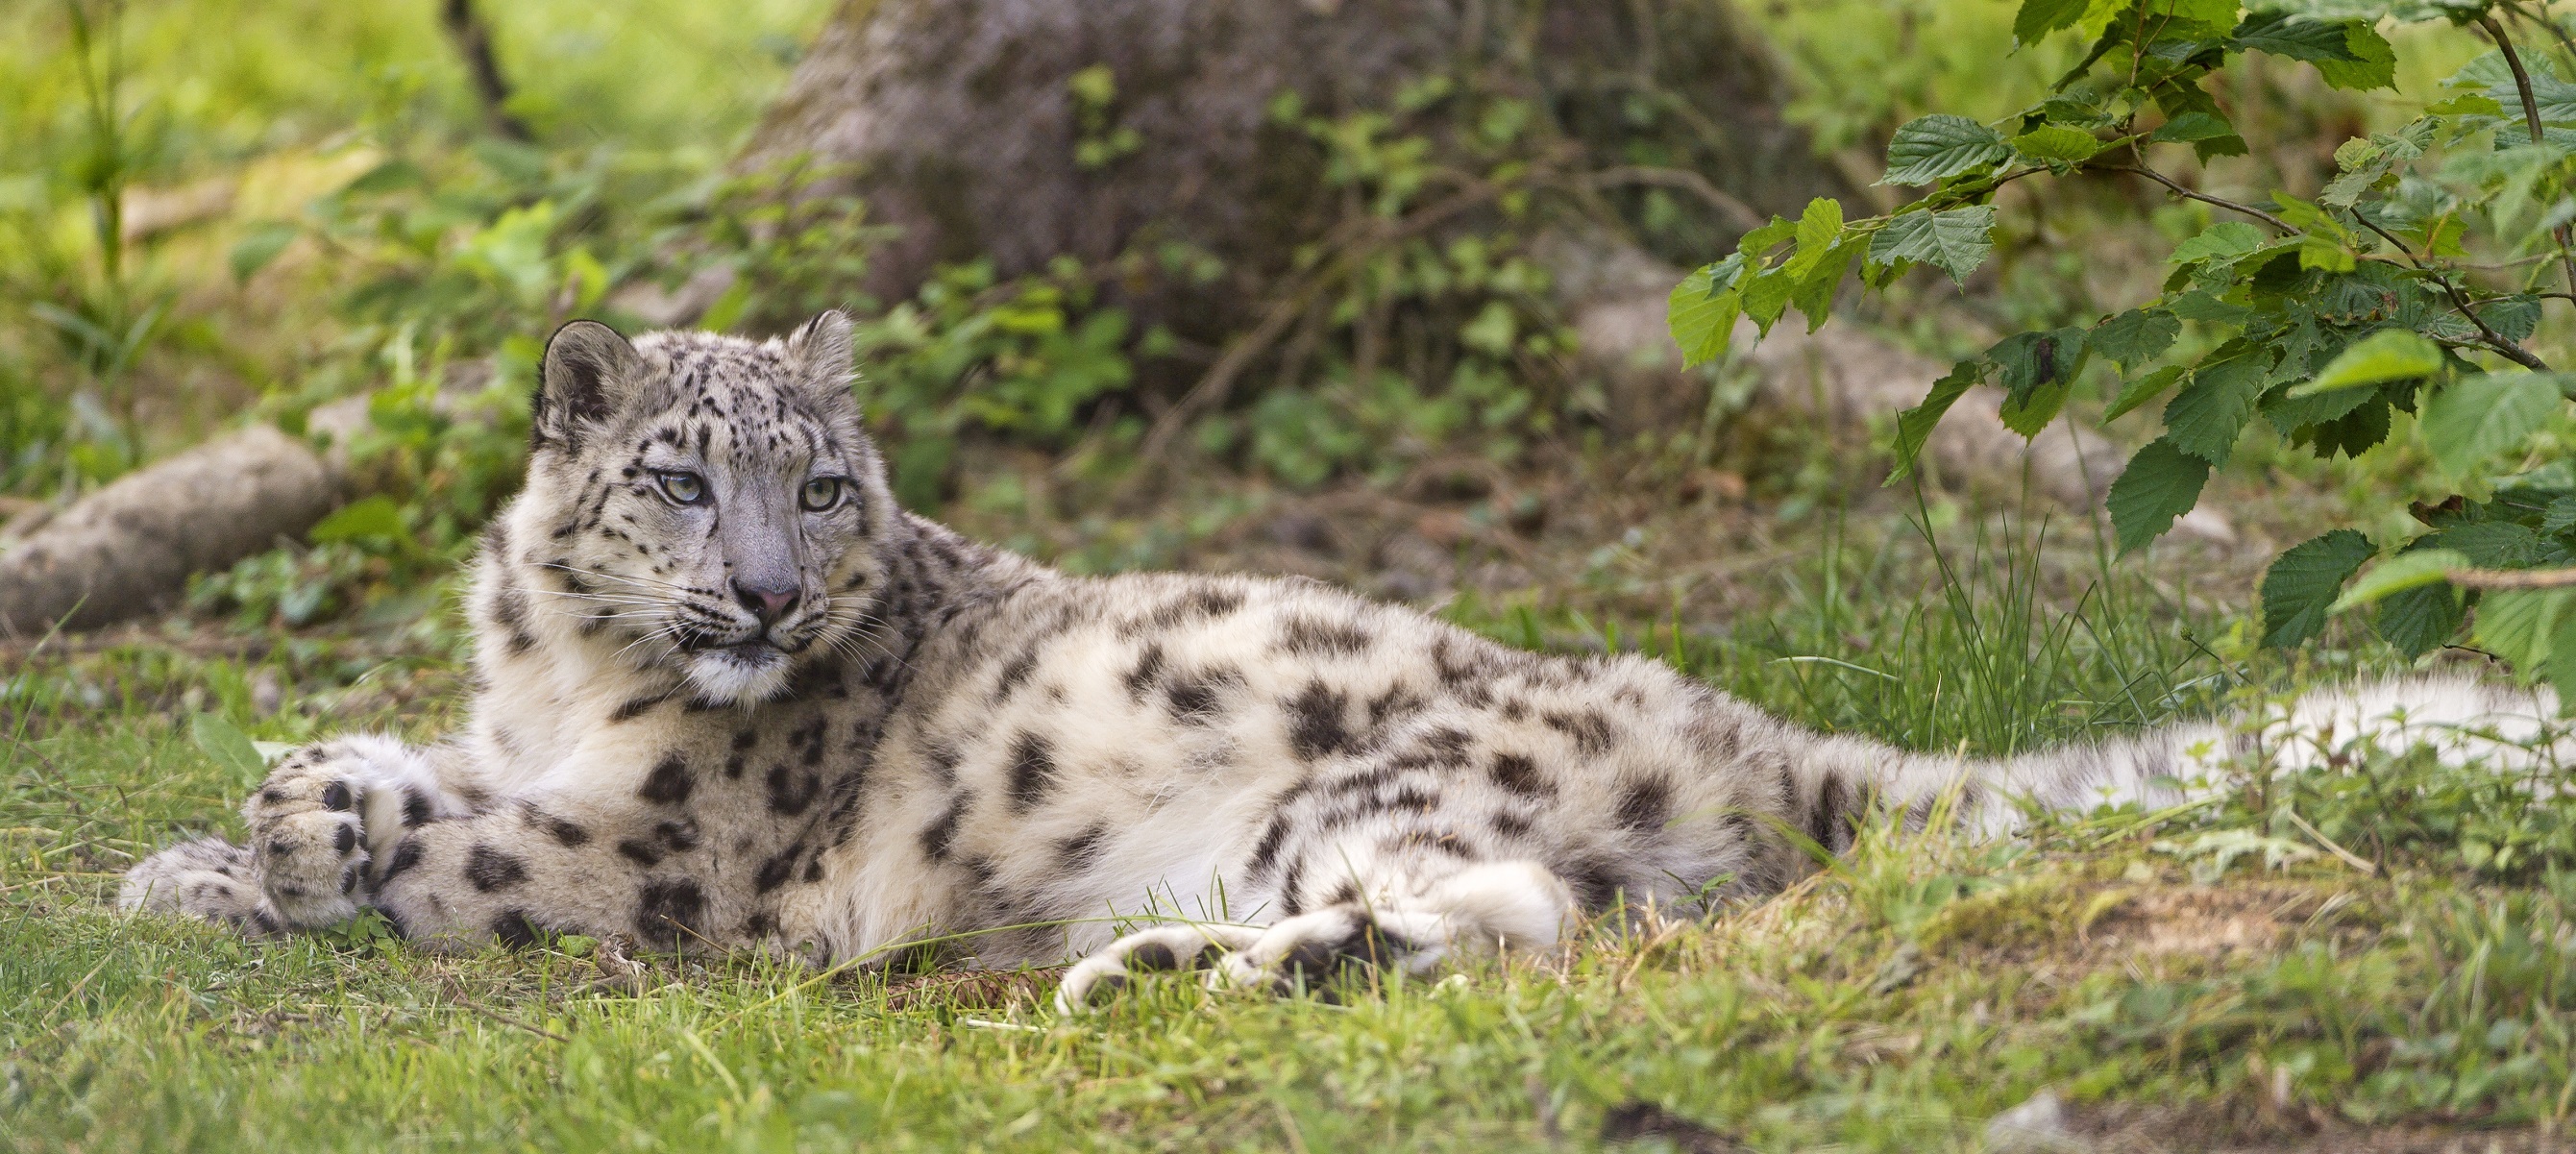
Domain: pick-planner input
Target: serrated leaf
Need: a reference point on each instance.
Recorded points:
(2386, 355)
(2205, 419)
(2031, 412)
(1759, 241)
(2297, 37)
(1765, 294)
(1940, 146)
(2192, 126)
(1914, 425)
(1953, 240)
(228, 747)
(1818, 228)
(2402, 572)
(2135, 336)
(1701, 316)
(2482, 416)
(2225, 240)
(2519, 625)
(2418, 619)
(1814, 294)
(2373, 62)
(2560, 516)
(2301, 586)
(2057, 144)
(2141, 391)
(2038, 18)
(2160, 484)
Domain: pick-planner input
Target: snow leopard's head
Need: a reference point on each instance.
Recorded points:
(708, 503)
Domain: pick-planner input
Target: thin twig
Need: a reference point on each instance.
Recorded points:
(2205, 198)
(1684, 179)
(2494, 341)
(2512, 578)
(2531, 120)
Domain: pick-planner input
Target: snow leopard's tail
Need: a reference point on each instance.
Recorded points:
(2466, 722)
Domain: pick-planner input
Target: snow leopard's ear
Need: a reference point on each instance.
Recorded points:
(589, 371)
(819, 353)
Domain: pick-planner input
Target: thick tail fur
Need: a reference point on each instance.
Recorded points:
(2464, 721)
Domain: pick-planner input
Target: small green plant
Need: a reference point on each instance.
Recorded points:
(2408, 290)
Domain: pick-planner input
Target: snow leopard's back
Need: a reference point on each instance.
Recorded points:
(1252, 748)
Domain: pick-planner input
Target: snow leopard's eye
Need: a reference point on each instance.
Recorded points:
(682, 488)
(821, 493)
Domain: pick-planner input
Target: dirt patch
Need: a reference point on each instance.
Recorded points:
(2203, 921)
(2242, 1128)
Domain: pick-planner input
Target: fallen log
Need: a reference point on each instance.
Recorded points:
(128, 549)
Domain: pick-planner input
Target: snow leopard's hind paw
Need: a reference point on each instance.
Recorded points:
(207, 878)
(1310, 953)
(1105, 973)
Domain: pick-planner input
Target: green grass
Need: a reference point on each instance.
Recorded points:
(1893, 1003)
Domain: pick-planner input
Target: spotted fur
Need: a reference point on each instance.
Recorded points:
(747, 722)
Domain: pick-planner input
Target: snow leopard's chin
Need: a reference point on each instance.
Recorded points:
(745, 674)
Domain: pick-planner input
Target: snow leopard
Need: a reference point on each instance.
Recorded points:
(728, 696)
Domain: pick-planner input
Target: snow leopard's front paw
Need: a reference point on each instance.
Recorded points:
(308, 837)
(1102, 975)
(207, 878)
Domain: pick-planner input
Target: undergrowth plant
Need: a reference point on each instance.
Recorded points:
(2409, 292)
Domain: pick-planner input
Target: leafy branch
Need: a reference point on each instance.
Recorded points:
(2411, 283)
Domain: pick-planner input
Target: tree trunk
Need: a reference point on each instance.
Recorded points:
(959, 125)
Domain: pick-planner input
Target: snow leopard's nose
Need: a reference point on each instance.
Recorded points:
(767, 602)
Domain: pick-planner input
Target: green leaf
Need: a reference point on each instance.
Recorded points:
(2483, 416)
(2373, 62)
(2386, 355)
(2192, 126)
(2225, 240)
(2560, 516)
(2030, 412)
(2038, 18)
(2056, 144)
(2400, 573)
(2142, 390)
(2297, 37)
(1702, 315)
(2160, 484)
(375, 519)
(1766, 293)
(1939, 146)
(2299, 589)
(2418, 619)
(1953, 240)
(1818, 228)
(1761, 240)
(2520, 625)
(1914, 425)
(1814, 294)
(2135, 336)
(259, 246)
(2205, 419)
(228, 747)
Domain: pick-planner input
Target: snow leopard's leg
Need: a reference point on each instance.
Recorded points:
(1184, 947)
(323, 815)
(1385, 918)
(1409, 924)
